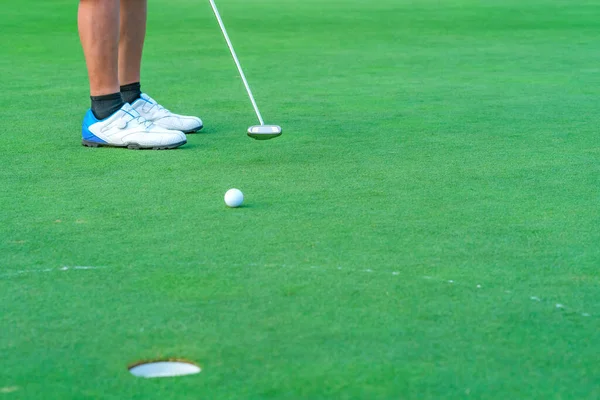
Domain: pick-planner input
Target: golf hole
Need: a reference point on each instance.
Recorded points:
(164, 369)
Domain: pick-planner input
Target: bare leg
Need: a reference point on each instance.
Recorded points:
(98, 22)
(131, 42)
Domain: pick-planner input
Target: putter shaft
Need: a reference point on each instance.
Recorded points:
(237, 62)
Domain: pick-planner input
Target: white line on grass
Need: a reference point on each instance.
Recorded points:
(448, 281)
(47, 270)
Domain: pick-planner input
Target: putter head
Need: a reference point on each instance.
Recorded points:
(264, 132)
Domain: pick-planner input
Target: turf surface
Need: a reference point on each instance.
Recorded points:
(426, 228)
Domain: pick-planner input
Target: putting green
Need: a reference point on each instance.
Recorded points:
(425, 228)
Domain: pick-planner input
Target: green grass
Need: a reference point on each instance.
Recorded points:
(424, 142)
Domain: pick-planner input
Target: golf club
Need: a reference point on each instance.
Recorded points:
(262, 131)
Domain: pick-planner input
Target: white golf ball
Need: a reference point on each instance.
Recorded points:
(234, 198)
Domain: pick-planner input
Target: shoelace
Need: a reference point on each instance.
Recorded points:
(122, 124)
(159, 108)
(143, 121)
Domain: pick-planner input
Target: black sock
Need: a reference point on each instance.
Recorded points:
(105, 106)
(131, 92)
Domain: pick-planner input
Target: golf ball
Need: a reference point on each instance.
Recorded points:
(234, 198)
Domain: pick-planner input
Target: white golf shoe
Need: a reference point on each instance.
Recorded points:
(152, 111)
(126, 128)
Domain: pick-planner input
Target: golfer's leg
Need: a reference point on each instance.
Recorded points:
(131, 45)
(110, 122)
(98, 22)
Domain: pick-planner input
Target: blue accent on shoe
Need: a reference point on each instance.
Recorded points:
(89, 120)
(132, 116)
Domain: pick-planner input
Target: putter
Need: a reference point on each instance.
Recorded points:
(262, 131)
